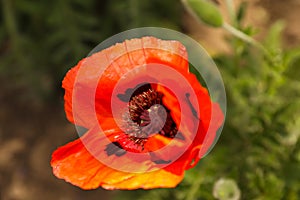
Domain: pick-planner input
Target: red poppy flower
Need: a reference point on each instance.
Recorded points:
(146, 117)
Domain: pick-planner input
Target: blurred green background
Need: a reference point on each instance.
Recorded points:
(258, 154)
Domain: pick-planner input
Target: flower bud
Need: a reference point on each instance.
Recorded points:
(206, 11)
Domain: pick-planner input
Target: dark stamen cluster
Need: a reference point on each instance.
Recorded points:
(148, 115)
(170, 129)
(141, 102)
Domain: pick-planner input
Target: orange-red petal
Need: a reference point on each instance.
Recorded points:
(114, 62)
(74, 163)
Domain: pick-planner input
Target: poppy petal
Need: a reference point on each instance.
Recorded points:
(78, 84)
(204, 139)
(216, 122)
(68, 85)
(155, 179)
(116, 60)
(74, 163)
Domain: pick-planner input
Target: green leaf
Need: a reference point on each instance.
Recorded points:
(273, 38)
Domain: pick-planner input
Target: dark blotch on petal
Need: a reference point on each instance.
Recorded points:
(131, 92)
(81, 130)
(161, 161)
(158, 160)
(191, 106)
(179, 135)
(115, 149)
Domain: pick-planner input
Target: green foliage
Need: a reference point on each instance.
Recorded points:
(41, 40)
(135, 13)
(264, 118)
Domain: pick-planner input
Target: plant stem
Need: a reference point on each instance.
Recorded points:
(239, 34)
(231, 11)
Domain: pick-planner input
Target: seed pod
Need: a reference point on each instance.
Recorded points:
(206, 11)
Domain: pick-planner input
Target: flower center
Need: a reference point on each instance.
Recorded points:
(153, 119)
(146, 116)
